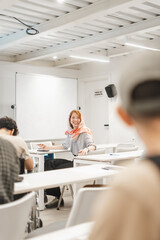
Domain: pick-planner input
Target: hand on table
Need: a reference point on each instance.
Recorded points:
(43, 146)
(83, 152)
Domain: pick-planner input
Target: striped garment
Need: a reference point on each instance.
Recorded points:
(9, 169)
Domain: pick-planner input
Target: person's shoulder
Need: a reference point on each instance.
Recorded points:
(11, 137)
(19, 141)
(7, 137)
(7, 146)
(140, 170)
(145, 168)
(141, 179)
(4, 141)
(4, 136)
(84, 134)
(18, 138)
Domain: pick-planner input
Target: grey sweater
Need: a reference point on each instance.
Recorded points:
(84, 140)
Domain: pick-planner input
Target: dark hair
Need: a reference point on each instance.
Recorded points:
(147, 95)
(9, 124)
(146, 90)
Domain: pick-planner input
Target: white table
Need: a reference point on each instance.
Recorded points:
(104, 158)
(108, 157)
(107, 146)
(40, 155)
(49, 179)
(78, 232)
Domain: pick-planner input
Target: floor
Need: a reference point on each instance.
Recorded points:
(49, 216)
(53, 219)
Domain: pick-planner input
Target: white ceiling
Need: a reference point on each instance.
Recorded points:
(74, 27)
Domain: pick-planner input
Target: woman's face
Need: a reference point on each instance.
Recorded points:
(75, 120)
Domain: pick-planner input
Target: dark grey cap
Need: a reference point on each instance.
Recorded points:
(140, 68)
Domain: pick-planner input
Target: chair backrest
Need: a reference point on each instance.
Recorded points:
(83, 205)
(126, 147)
(34, 145)
(14, 217)
(98, 151)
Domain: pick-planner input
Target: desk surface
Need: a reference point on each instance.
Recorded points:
(99, 146)
(111, 156)
(35, 151)
(49, 179)
(78, 232)
(106, 145)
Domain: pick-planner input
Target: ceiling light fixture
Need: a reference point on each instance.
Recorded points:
(93, 58)
(60, 1)
(140, 46)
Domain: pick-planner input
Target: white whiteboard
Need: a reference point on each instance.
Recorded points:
(43, 104)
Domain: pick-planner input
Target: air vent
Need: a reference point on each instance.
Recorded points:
(98, 93)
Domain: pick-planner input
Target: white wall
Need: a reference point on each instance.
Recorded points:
(7, 81)
(96, 107)
(118, 131)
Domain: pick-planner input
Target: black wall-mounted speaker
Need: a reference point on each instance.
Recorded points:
(111, 90)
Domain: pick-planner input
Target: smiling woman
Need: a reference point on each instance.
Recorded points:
(79, 138)
(80, 141)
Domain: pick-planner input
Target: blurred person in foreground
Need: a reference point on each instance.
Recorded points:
(131, 209)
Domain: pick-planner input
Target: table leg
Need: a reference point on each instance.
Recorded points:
(41, 163)
(75, 185)
(41, 192)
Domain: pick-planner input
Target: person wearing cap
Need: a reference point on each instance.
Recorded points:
(131, 208)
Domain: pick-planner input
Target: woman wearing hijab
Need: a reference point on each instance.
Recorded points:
(80, 141)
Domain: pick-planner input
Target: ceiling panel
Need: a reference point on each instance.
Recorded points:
(79, 26)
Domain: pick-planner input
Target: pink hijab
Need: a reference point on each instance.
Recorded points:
(76, 132)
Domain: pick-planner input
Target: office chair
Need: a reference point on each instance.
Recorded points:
(63, 188)
(14, 217)
(97, 151)
(126, 147)
(35, 220)
(81, 211)
(83, 205)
